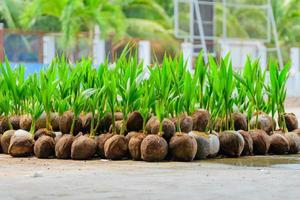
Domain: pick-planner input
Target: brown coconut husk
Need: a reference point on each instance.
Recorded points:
(134, 145)
(86, 122)
(201, 119)
(182, 147)
(116, 147)
(100, 141)
(240, 121)
(134, 121)
(58, 135)
(154, 148)
(279, 144)
(248, 147)
(21, 144)
(63, 146)
(4, 125)
(43, 131)
(44, 147)
(186, 123)
(54, 121)
(168, 127)
(118, 126)
(15, 121)
(65, 123)
(261, 141)
(131, 134)
(214, 144)
(106, 122)
(25, 122)
(291, 121)
(219, 124)
(83, 148)
(231, 143)
(203, 144)
(264, 122)
(5, 140)
(294, 142)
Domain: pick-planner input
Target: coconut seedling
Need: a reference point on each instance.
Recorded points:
(253, 80)
(231, 142)
(21, 143)
(155, 147)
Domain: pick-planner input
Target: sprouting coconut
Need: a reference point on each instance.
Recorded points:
(261, 141)
(65, 123)
(83, 148)
(5, 140)
(240, 121)
(43, 131)
(4, 125)
(44, 147)
(248, 147)
(131, 134)
(106, 121)
(279, 144)
(262, 121)
(294, 142)
(231, 143)
(15, 121)
(58, 135)
(63, 146)
(168, 127)
(291, 121)
(154, 148)
(54, 121)
(203, 144)
(214, 145)
(182, 147)
(21, 144)
(134, 121)
(25, 122)
(86, 122)
(134, 145)
(186, 123)
(200, 120)
(100, 141)
(116, 147)
(118, 127)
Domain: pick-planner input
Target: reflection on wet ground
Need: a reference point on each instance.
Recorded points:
(274, 161)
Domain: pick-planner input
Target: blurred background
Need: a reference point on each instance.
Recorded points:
(33, 32)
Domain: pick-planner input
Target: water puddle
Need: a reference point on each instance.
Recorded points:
(276, 161)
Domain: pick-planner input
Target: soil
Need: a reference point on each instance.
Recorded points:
(182, 147)
(44, 147)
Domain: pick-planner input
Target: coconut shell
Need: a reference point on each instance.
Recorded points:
(134, 121)
(43, 131)
(203, 144)
(154, 148)
(182, 147)
(63, 147)
(83, 148)
(294, 142)
(5, 140)
(58, 135)
(291, 121)
(25, 122)
(4, 126)
(219, 124)
(100, 141)
(264, 122)
(21, 144)
(106, 122)
(134, 145)
(240, 121)
(54, 121)
(201, 119)
(131, 134)
(231, 143)
(248, 147)
(279, 144)
(44, 147)
(152, 127)
(15, 121)
(214, 145)
(116, 147)
(86, 122)
(261, 141)
(186, 123)
(65, 123)
(0, 143)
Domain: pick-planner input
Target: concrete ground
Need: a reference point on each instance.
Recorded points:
(268, 177)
